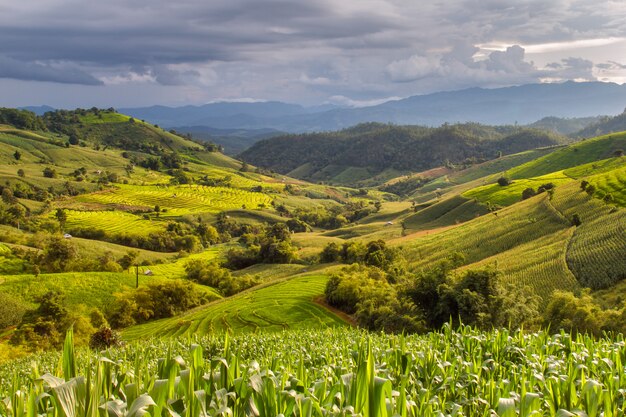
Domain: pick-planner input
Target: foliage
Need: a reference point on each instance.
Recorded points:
(155, 302)
(378, 147)
(11, 311)
(323, 373)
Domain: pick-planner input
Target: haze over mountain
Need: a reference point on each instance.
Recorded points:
(509, 105)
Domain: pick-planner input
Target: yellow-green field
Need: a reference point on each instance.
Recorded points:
(179, 200)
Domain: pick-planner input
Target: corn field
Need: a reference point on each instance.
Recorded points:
(327, 373)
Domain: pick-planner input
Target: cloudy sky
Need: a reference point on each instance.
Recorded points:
(121, 53)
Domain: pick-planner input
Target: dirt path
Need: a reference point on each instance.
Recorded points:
(319, 300)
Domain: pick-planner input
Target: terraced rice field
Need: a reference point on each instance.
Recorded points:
(586, 151)
(612, 182)
(112, 222)
(179, 200)
(539, 264)
(488, 235)
(512, 193)
(284, 305)
(445, 213)
(596, 253)
(176, 269)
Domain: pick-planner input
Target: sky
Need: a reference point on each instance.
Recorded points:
(129, 53)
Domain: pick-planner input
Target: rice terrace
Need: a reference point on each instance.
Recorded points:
(298, 209)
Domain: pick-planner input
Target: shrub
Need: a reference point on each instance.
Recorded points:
(503, 181)
(49, 172)
(105, 338)
(527, 193)
(11, 311)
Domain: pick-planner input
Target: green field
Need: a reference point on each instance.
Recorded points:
(178, 200)
(85, 290)
(506, 195)
(112, 222)
(327, 373)
(283, 305)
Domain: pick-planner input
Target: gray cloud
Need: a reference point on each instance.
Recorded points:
(299, 50)
(32, 71)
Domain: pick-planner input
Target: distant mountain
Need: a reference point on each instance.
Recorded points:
(352, 156)
(223, 115)
(565, 125)
(38, 110)
(234, 141)
(522, 104)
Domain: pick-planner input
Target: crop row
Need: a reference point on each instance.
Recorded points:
(596, 252)
(328, 373)
(180, 200)
(113, 222)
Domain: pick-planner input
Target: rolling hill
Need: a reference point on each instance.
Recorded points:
(197, 206)
(378, 152)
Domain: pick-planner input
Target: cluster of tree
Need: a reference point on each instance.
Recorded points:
(529, 192)
(404, 186)
(605, 125)
(406, 148)
(594, 192)
(380, 300)
(332, 217)
(44, 327)
(57, 254)
(271, 245)
(155, 302)
(21, 119)
(210, 273)
(375, 253)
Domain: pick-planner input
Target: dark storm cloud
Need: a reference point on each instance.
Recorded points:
(306, 50)
(19, 70)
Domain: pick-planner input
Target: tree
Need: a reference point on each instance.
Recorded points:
(618, 153)
(73, 139)
(128, 259)
(17, 155)
(8, 197)
(49, 172)
(528, 192)
(330, 253)
(503, 181)
(11, 311)
(61, 216)
(576, 220)
(584, 184)
(21, 173)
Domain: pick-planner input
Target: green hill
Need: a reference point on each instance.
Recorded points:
(88, 194)
(356, 155)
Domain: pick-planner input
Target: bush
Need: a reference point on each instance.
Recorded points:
(155, 302)
(49, 172)
(503, 181)
(105, 338)
(11, 311)
(527, 193)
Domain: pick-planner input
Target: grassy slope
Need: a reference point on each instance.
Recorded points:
(286, 304)
(84, 290)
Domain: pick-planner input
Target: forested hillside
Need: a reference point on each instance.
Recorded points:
(368, 150)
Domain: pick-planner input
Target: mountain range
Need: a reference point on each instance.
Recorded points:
(520, 104)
